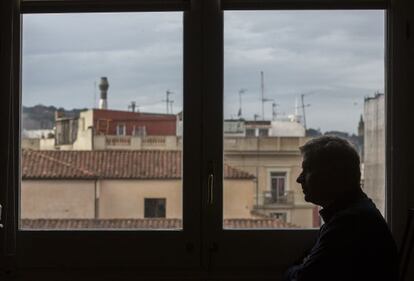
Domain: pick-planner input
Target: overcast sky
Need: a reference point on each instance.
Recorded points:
(335, 58)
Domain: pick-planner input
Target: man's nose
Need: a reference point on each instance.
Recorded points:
(300, 178)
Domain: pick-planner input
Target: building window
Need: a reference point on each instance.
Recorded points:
(279, 215)
(263, 132)
(139, 131)
(120, 130)
(154, 207)
(278, 186)
(250, 132)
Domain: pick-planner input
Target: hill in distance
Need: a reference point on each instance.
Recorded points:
(43, 117)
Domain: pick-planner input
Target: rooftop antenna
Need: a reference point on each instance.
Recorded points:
(296, 107)
(262, 91)
(274, 110)
(303, 106)
(167, 101)
(171, 106)
(132, 106)
(241, 92)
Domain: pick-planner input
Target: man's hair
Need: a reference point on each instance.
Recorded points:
(336, 156)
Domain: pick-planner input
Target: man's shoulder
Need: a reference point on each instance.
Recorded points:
(358, 221)
(363, 222)
(363, 211)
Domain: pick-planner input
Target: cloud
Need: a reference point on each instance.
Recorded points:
(338, 56)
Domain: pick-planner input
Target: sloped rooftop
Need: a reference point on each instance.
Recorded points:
(114, 164)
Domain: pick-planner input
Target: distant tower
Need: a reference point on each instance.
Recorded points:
(103, 87)
(361, 127)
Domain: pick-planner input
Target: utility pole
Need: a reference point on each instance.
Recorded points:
(241, 92)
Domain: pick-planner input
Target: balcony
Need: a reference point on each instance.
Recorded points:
(263, 144)
(112, 142)
(272, 198)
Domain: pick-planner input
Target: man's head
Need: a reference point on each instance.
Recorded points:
(330, 169)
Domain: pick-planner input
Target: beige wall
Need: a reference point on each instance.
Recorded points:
(31, 144)
(238, 198)
(125, 198)
(302, 216)
(57, 199)
(120, 198)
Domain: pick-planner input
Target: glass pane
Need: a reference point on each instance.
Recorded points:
(290, 76)
(102, 121)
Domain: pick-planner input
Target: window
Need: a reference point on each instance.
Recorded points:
(139, 131)
(263, 132)
(68, 184)
(120, 130)
(217, 219)
(279, 216)
(277, 187)
(155, 207)
(250, 132)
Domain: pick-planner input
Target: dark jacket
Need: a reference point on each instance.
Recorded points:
(354, 244)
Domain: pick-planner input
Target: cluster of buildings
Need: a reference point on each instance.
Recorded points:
(122, 169)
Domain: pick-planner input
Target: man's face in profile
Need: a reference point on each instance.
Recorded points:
(314, 182)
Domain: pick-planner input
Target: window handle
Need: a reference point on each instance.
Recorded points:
(210, 189)
(1, 225)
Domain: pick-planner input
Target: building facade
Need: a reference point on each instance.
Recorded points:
(117, 185)
(374, 150)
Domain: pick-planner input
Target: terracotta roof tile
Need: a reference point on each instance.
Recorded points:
(109, 164)
(156, 223)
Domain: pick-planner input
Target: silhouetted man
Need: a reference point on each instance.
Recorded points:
(355, 243)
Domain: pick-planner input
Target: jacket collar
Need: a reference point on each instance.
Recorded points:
(346, 200)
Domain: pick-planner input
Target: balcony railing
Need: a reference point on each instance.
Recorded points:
(270, 198)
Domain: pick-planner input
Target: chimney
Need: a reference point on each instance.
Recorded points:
(103, 87)
(58, 114)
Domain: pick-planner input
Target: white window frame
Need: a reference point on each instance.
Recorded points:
(118, 129)
(278, 170)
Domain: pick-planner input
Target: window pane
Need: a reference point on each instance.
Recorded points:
(290, 76)
(102, 121)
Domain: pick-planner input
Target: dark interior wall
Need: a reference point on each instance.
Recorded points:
(6, 55)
